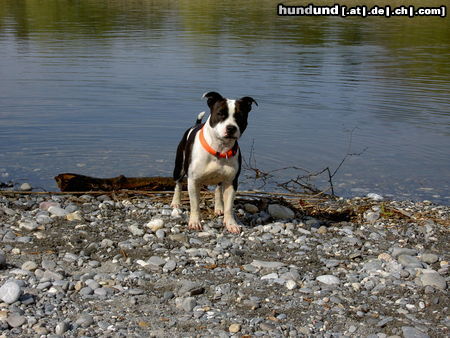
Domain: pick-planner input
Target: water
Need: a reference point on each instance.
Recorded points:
(104, 89)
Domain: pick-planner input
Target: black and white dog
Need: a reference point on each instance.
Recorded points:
(209, 155)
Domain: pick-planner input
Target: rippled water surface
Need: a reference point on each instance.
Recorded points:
(107, 88)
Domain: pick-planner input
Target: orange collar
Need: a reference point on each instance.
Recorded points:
(207, 147)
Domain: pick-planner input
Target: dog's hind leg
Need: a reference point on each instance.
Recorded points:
(176, 200)
(218, 201)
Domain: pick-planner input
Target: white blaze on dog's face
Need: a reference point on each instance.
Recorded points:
(228, 117)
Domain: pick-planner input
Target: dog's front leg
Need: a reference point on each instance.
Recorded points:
(218, 201)
(194, 198)
(228, 218)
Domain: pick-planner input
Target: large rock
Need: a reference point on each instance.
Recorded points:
(432, 278)
(10, 292)
(280, 212)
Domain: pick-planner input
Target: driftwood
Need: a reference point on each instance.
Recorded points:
(75, 182)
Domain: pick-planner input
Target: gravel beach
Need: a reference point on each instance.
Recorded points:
(108, 266)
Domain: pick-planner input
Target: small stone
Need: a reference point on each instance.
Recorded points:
(155, 224)
(176, 213)
(29, 266)
(57, 211)
(273, 275)
(25, 187)
(156, 261)
(15, 320)
(160, 233)
(44, 219)
(251, 208)
(267, 265)
(385, 257)
(61, 328)
(429, 258)
(234, 328)
(169, 266)
(28, 225)
(291, 284)
(10, 292)
(412, 332)
(47, 204)
(403, 251)
(86, 291)
(374, 196)
(322, 230)
(85, 320)
(75, 216)
(135, 230)
(328, 279)
(433, 278)
(188, 304)
(278, 211)
(371, 216)
(409, 261)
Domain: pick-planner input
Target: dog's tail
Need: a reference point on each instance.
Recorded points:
(199, 118)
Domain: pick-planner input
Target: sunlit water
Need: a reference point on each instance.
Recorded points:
(104, 90)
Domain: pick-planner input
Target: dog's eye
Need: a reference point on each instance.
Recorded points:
(221, 112)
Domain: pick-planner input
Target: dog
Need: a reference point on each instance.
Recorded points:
(209, 154)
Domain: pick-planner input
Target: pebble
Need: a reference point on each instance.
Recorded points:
(155, 224)
(62, 328)
(251, 208)
(396, 251)
(409, 261)
(28, 225)
(188, 304)
(156, 261)
(328, 279)
(234, 328)
(412, 332)
(291, 284)
(375, 197)
(85, 320)
(57, 211)
(25, 187)
(10, 292)
(429, 258)
(135, 230)
(75, 216)
(15, 320)
(278, 211)
(160, 233)
(29, 265)
(266, 264)
(432, 278)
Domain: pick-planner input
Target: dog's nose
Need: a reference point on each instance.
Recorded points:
(231, 130)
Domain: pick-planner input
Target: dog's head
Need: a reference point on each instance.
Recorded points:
(228, 117)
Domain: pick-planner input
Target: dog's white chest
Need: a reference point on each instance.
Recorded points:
(211, 171)
(214, 172)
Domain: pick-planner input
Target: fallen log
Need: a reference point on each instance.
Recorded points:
(74, 183)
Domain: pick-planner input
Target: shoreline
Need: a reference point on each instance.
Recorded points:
(103, 265)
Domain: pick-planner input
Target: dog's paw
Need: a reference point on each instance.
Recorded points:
(195, 225)
(175, 205)
(234, 228)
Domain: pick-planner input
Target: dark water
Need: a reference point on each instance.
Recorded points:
(107, 88)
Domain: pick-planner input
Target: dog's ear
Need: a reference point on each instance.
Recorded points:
(212, 97)
(247, 101)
